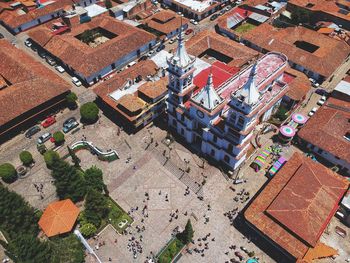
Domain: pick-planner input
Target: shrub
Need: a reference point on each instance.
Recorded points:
(89, 112)
(8, 173)
(71, 99)
(87, 230)
(26, 158)
(108, 4)
(59, 137)
(50, 158)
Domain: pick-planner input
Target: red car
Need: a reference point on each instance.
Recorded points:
(189, 31)
(48, 122)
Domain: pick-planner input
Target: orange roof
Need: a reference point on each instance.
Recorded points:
(59, 217)
(325, 30)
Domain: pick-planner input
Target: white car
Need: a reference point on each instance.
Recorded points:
(322, 100)
(172, 40)
(28, 43)
(194, 22)
(43, 138)
(76, 81)
(312, 112)
(59, 69)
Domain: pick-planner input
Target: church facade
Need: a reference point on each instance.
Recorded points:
(219, 121)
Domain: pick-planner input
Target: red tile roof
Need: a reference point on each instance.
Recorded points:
(220, 72)
(327, 128)
(299, 85)
(13, 19)
(87, 60)
(304, 191)
(165, 21)
(323, 6)
(30, 83)
(324, 61)
(205, 40)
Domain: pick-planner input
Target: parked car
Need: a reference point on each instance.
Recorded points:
(42, 54)
(321, 92)
(60, 69)
(189, 31)
(70, 124)
(50, 61)
(28, 43)
(45, 137)
(322, 100)
(161, 47)
(30, 132)
(312, 112)
(172, 40)
(194, 22)
(213, 17)
(223, 11)
(1, 36)
(48, 121)
(76, 81)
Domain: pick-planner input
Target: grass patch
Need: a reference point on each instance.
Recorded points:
(117, 215)
(170, 251)
(243, 28)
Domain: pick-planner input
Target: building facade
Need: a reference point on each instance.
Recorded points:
(219, 122)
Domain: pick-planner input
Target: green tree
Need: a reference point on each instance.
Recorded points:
(301, 16)
(69, 181)
(74, 157)
(26, 158)
(108, 4)
(96, 207)
(16, 215)
(8, 173)
(68, 249)
(27, 248)
(51, 157)
(89, 112)
(71, 99)
(59, 137)
(94, 179)
(281, 113)
(88, 229)
(186, 236)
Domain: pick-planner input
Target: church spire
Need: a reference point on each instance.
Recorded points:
(208, 97)
(181, 57)
(249, 91)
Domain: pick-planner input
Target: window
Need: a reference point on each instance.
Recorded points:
(212, 152)
(230, 148)
(241, 120)
(174, 123)
(227, 159)
(215, 138)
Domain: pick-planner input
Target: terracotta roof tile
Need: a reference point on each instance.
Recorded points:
(87, 60)
(303, 190)
(155, 89)
(30, 83)
(13, 19)
(327, 128)
(299, 87)
(165, 21)
(325, 60)
(205, 40)
(131, 102)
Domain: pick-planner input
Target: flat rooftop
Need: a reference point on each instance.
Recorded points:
(198, 6)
